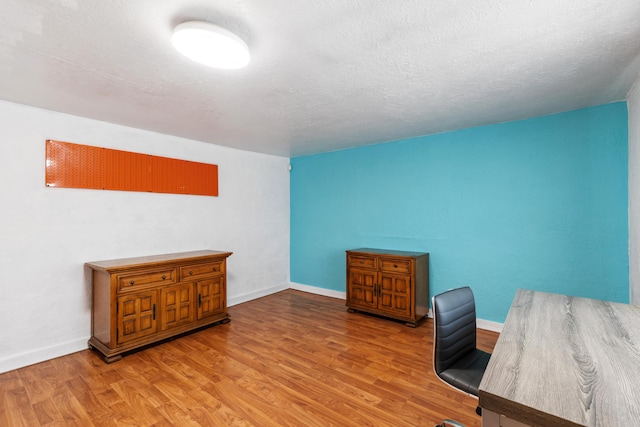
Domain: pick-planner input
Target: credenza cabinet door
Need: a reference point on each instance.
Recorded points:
(362, 285)
(136, 316)
(178, 305)
(395, 294)
(211, 297)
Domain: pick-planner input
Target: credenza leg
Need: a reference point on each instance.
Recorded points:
(111, 359)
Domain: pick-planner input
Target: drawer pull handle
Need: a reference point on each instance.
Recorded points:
(132, 282)
(191, 273)
(395, 266)
(164, 277)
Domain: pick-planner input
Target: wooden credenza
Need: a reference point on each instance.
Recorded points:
(138, 301)
(389, 283)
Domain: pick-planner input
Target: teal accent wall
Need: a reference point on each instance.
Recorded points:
(537, 204)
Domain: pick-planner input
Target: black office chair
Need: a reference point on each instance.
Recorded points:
(456, 360)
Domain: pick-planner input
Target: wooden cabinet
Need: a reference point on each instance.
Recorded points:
(138, 301)
(389, 283)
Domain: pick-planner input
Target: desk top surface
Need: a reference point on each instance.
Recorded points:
(566, 361)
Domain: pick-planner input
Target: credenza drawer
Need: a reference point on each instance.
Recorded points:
(197, 271)
(362, 261)
(395, 265)
(146, 278)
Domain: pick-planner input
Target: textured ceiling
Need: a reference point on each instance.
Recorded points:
(324, 74)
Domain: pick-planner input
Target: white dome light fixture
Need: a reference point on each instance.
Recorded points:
(210, 45)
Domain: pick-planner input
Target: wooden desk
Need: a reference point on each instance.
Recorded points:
(564, 361)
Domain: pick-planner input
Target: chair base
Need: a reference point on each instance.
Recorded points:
(449, 423)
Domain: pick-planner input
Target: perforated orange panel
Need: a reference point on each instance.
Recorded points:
(82, 166)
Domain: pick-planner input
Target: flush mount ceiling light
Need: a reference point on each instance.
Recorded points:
(210, 45)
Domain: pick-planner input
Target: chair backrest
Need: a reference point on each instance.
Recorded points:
(454, 313)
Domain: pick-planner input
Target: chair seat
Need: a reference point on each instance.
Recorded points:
(467, 372)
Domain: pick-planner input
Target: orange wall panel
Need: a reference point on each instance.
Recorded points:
(125, 171)
(82, 166)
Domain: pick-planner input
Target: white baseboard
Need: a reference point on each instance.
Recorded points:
(318, 291)
(42, 354)
(235, 300)
(47, 353)
(481, 323)
(488, 325)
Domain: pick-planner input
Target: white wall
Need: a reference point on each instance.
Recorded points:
(633, 105)
(47, 234)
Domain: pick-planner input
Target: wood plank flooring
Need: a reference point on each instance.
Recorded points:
(288, 359)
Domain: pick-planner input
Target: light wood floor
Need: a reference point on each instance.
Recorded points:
(289, 359)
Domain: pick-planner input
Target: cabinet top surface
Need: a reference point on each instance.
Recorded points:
(150, 260)
(386, 252)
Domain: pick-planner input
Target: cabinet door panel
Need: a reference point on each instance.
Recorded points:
(362, 286)
(177, 305)
(395, 294)
(137, 315)
(211, 297)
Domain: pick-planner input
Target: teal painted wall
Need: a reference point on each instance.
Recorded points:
(537, 204)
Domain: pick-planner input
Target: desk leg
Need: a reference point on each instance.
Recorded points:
(490, 419)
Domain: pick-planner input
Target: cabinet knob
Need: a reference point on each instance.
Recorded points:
(191, 273)
(395, 266)
(132, 282)
(164, 277)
